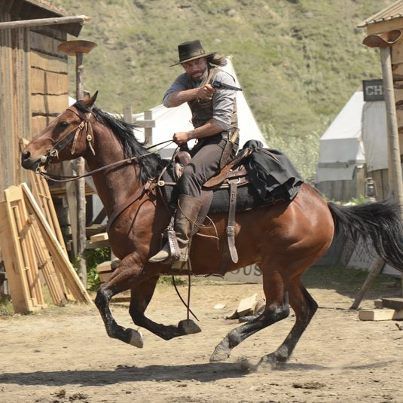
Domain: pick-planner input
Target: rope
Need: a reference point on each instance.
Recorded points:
(187, 305)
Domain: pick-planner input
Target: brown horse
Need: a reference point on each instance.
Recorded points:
(283, 239)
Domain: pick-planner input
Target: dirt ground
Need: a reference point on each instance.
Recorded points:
(64, 354)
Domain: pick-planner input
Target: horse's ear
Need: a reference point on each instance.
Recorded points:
(90, 100)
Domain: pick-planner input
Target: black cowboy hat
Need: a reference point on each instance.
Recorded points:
(191, 50)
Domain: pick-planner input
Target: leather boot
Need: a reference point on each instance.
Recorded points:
(185, 217)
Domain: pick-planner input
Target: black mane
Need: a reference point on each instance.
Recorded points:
(150, 165)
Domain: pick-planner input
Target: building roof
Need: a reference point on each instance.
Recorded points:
(47, 5)
(35, 9)
(389, 13)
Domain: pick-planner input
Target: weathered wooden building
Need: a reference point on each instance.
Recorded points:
(33, 76)
(385, 30)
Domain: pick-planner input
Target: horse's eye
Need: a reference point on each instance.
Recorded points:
(63, 125)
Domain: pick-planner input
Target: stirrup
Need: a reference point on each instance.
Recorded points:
(163, 256)
(180, 265)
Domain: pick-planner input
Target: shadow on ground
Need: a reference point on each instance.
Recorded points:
(163, 373)
(348, 281)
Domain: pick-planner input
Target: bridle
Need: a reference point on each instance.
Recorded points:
(72, 138)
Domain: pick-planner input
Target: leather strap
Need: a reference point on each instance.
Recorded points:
(233, 187)
(119, 210)
(216, 180)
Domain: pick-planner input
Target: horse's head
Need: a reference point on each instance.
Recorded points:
(67, 137)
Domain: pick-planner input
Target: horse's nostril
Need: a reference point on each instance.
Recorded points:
(25, 155)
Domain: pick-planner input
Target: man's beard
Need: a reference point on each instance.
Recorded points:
(200, 78)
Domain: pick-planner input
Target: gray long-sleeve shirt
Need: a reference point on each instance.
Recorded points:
(220, 108)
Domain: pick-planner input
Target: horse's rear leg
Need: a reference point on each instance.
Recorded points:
(304, 307)
(276, 309)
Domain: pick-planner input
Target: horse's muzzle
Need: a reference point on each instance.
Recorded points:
(28, 162)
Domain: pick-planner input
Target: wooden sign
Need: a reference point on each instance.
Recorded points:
(373, 90)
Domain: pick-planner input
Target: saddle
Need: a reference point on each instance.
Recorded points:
(255, 177)
(231, 176)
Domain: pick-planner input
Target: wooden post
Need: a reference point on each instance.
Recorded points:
(78, 48)
(148, 131)
(80, 168)
(128, 114)
(395, 169)
(375, 269)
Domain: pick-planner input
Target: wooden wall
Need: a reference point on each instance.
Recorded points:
(33, 90)
(48, 76)
(381, 180)
(15, 92)
(344, 190)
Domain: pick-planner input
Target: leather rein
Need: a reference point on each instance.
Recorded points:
(72, 137)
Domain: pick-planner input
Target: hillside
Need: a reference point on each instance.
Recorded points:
(298, 61)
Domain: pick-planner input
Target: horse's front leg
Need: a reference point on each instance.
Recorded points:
(140, 298)
(122, 279)
(129, 275)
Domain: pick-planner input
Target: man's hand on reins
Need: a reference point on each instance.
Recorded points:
(182, 137)
(211, 128)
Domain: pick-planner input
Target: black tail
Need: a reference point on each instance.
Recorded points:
(379, 222)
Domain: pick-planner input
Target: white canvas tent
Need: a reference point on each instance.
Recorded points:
(353, 145)
(340, 148)
(170, 120)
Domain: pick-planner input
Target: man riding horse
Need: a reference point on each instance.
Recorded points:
(214, 119)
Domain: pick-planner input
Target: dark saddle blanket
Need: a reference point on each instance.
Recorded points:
(263, 177)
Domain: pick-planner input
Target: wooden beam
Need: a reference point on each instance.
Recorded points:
(16, 283)
(148, 131)
(393, 303)
(380, 314)
(41, 192)
(40, 22)
(54, 282)
(384, 26)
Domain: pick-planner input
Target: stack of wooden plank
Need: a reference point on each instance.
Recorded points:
(385, 309)
(33, 249)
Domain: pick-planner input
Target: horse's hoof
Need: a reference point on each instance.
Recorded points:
(272, 361)
(221, 353)
(188, 326)
(268, 361)
(136, 338)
